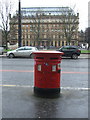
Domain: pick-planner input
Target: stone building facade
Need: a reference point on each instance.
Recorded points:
(46, 26)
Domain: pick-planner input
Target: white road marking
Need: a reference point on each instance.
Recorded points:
(62, 88)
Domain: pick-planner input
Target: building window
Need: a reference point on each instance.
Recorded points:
(59, 43)
(26, 36)
(59, 36)
(44, 36)
(54, 36)
(66, 43)
(26, 25)
(30, 36)
(27, 43)
(30, 30)
(62, 43)
(26, 30)
(51, 43)
(23, 43)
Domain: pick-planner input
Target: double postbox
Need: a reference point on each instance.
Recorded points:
(47, 72)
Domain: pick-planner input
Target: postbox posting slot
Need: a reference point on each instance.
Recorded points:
(53, 58)
(39, 57)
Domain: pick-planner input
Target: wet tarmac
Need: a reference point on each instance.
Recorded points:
(22, 103)
(19, 101)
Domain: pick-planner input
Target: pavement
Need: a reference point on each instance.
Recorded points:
(85, 56)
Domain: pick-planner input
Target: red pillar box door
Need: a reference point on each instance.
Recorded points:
(47, 73)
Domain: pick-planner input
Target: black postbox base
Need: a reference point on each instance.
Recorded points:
(47, 92)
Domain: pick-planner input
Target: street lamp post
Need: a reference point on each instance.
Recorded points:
(19, 25)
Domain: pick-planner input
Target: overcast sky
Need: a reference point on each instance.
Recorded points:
(80, 6)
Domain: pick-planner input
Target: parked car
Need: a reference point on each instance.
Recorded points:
(70, 51)
(25, 51)
(1, 50)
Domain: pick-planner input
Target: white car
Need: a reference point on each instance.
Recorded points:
(1, 50)
(25, 51)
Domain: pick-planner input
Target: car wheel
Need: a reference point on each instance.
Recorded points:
(74, 56)
(11, 55)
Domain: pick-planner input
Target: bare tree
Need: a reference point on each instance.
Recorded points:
(5, 11)
(70, 25)
(49, 28)
(13, 29)
(68, 19)
(36, 26)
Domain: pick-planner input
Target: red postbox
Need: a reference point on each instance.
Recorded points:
(47, 73)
